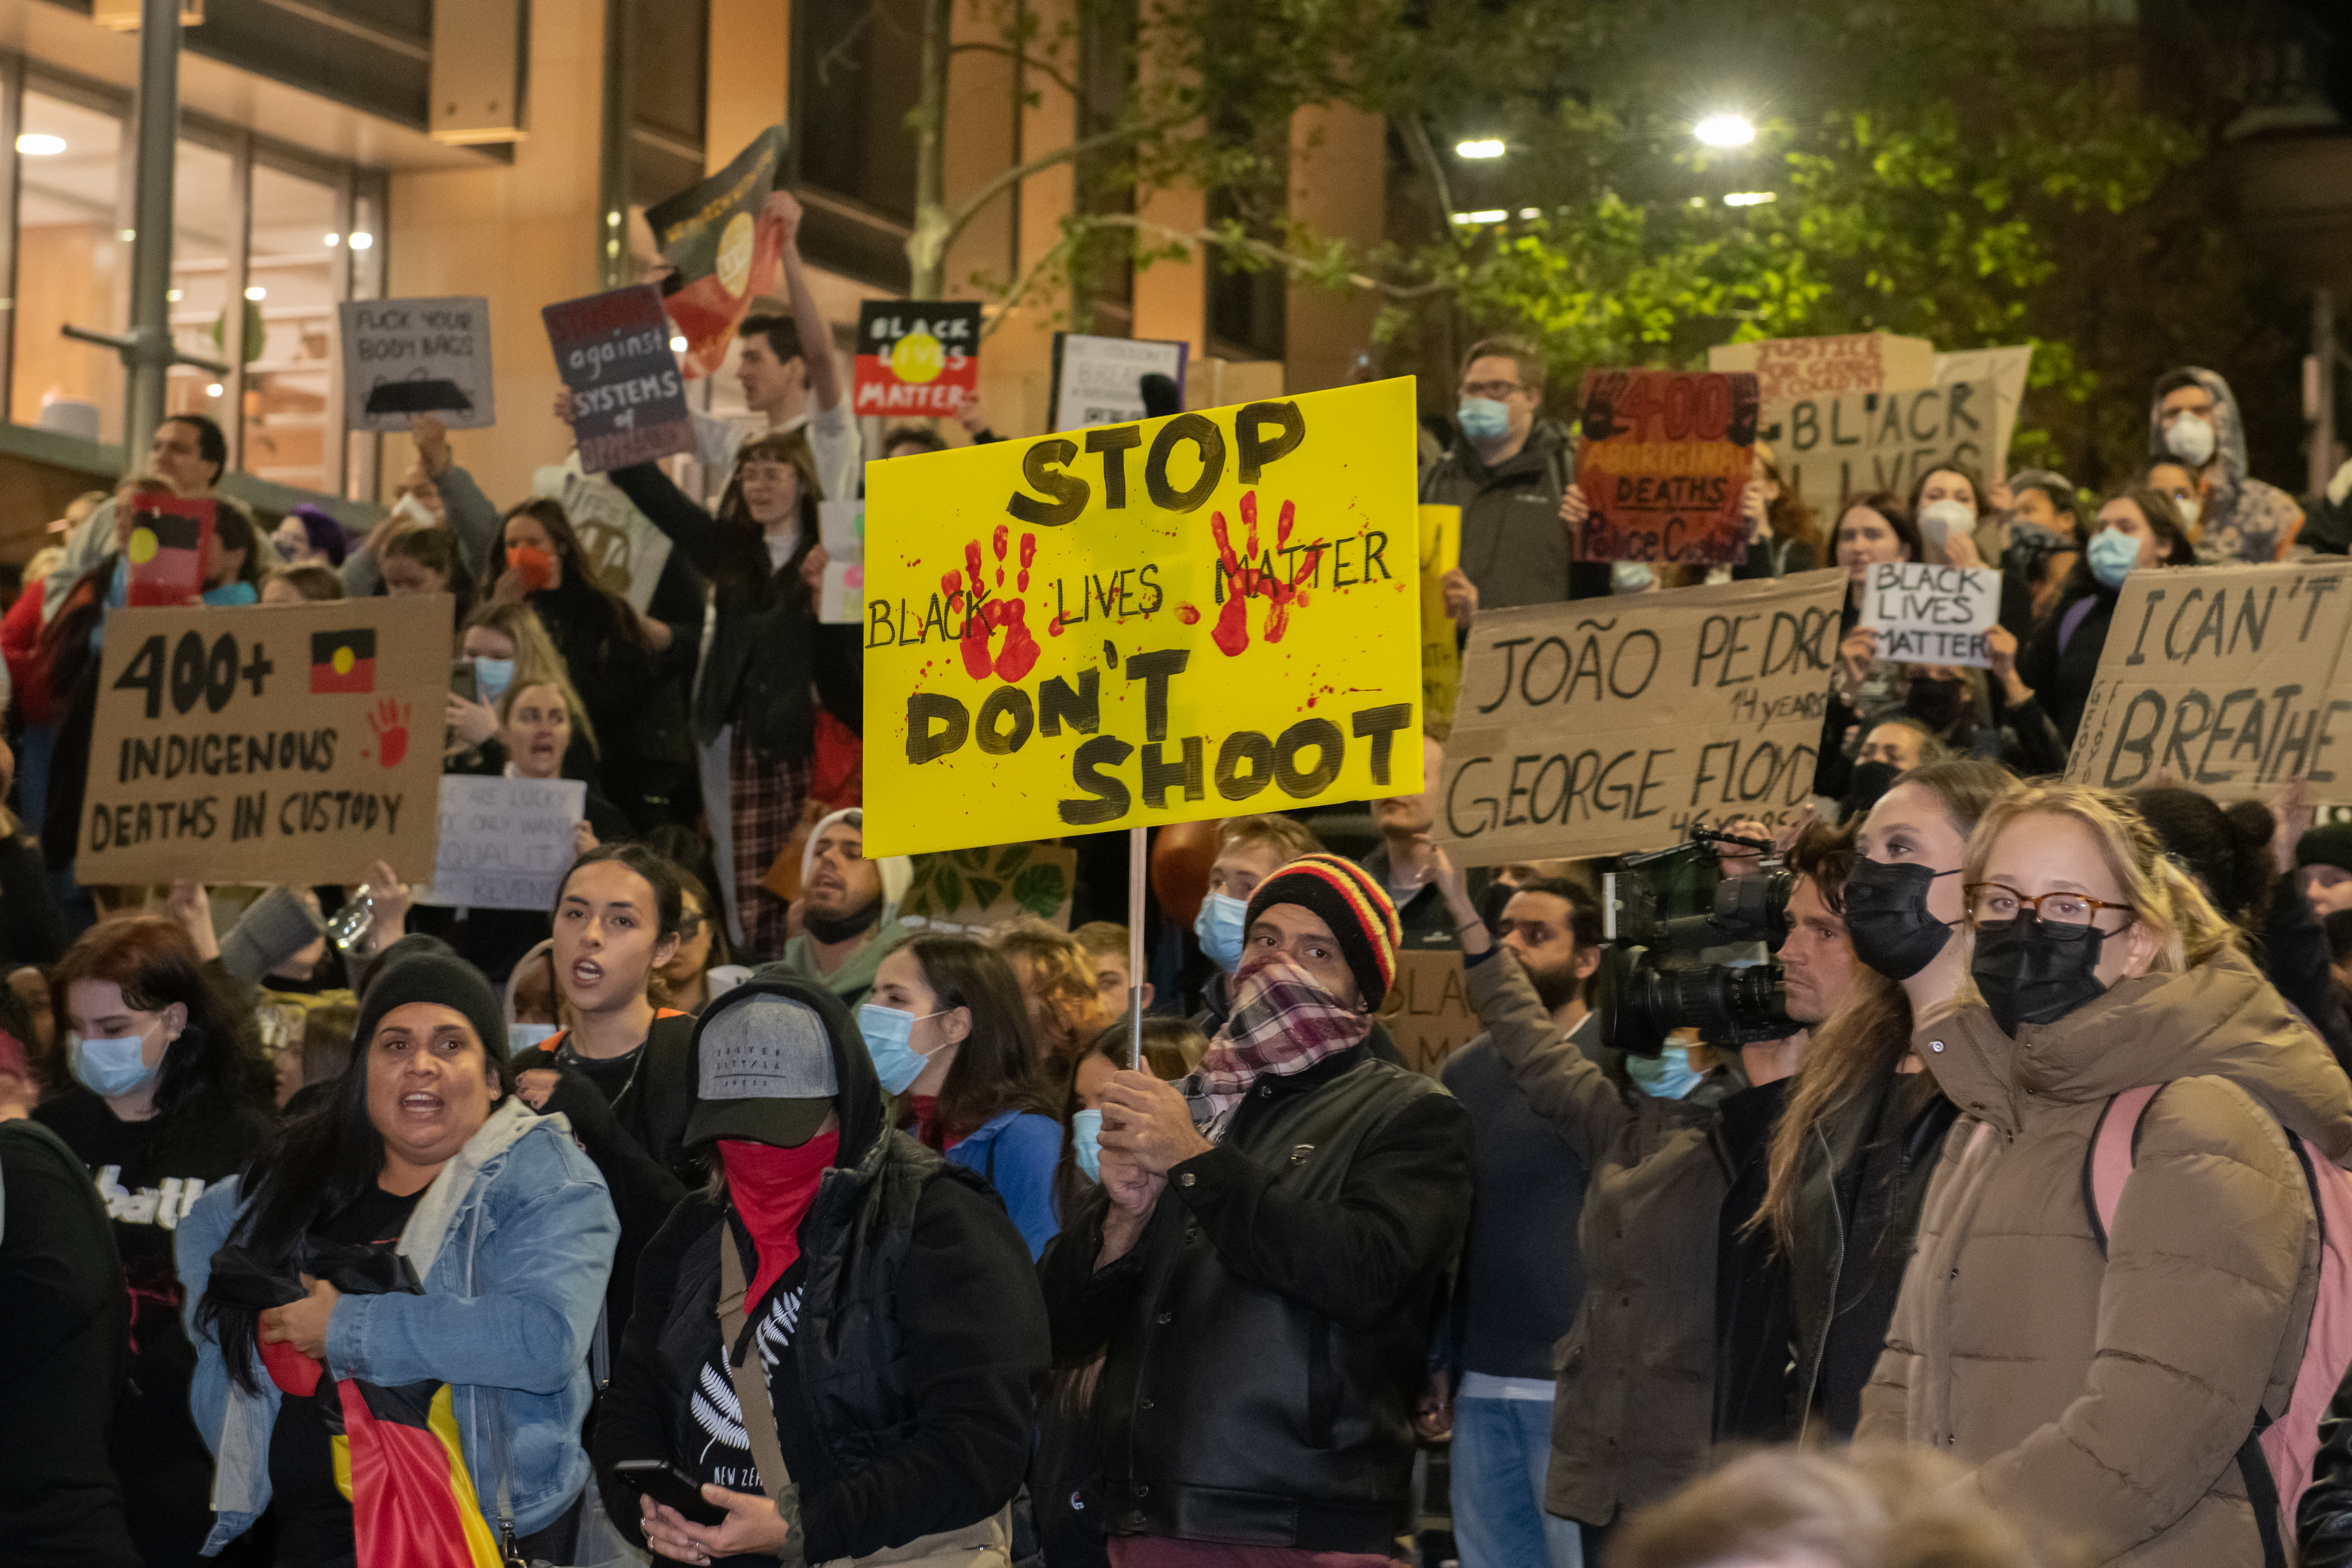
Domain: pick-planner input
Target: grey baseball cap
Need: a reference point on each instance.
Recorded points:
(763, 1071)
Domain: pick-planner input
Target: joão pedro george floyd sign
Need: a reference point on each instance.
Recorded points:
(1603, 725)
(1159, 621)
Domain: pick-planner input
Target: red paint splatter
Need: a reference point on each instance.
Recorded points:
(1188, 615)
(976, 616)
(1054, 627)
(983, 617)
(1232, 634)
(1028, 558)
(1021, 650)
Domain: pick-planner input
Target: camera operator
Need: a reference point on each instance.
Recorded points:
(1633, 1416)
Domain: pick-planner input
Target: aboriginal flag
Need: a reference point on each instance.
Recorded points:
(725, 252)
(165, 548)
(343, 661)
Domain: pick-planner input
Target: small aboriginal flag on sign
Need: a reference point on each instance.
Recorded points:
(166, 549)
(343, 661)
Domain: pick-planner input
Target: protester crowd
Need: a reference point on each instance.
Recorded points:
(725, 1211)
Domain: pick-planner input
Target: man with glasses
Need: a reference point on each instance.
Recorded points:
(1507, 470)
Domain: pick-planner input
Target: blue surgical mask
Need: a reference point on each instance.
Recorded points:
(112, 1068)
(1085, 1134)
(886, 1031)
(2112, 555)
(529, 1036)
(1484, 419)
(1666, 1076)
(492, 676)
(1219, 927)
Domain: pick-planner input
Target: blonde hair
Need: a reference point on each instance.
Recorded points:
(1872, 1506)
(1062, 972)
(537, 659)
(2163, 898)
(1287, 838)
(555, 683)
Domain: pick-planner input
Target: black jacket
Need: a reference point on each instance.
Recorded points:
(65, 1320)
(2294, 958)
(1269, 1333)
(1513, 546)
(904, 1399)
(2063, 677)
(767, 648)
(636, 698)
(2323, 1520)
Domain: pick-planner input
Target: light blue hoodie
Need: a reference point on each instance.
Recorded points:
(514, 1242)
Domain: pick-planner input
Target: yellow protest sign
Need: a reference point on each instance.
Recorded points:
(1441, 651)
(1161, 621)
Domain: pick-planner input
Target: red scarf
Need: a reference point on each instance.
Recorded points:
(1282, 1023)
(772, 1188)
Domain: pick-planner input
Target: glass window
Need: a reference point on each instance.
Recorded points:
(72, 264)
(297, 247)
(202, 212)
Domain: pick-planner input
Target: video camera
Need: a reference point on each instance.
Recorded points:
(1650, 983)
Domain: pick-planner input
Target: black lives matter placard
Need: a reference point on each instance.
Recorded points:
(628, 399)
(2224, 677)
(1603, 725)
(287, 743)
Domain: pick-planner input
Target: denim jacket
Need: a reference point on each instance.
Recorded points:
(514, 1242)
(1019, 1152)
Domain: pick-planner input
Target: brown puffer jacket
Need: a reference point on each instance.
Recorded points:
(2106, 1393)
(1634, 1411)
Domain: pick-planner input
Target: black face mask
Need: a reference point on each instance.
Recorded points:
(1938, 704)
(2033, 971)
(855, 923)
(1870, 781)
(1887, 917)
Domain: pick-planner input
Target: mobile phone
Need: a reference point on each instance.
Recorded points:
(666, 1484)
(462, 681)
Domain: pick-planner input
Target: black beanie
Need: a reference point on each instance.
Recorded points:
(434, 978)
(1352, 903)
(2328, 845)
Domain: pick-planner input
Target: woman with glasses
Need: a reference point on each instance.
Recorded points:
(2108, 1378)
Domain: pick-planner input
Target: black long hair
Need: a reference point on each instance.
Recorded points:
(314, 1166)
(661, 874)
(581, 599)
(155, 964)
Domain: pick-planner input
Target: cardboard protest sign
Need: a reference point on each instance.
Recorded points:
(1932, 614)
(970, 892)
(916, 359)
(1428, 1012)
(164, 551)
(724, 250)
(1787, 369)
(622, 547)
(2007, 369)
(1665, 455)
(505, 842)
(1145, 622)
(1834, 448)
(1604, 725)
(290, 744)
(2226, 676)
(406, 357)
(1099, 380)
(1440, 654)
(628, 401)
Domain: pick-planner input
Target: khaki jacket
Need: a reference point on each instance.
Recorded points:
(2106, 1393)
(1634, 1414)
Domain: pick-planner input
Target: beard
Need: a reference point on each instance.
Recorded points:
(1555, 984)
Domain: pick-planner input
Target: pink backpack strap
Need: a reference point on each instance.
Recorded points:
(2111, 1153)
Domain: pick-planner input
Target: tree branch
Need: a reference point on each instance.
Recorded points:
(998, 184)
(1028, 62)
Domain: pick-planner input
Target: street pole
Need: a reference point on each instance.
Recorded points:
(149, 353)
(2320, 383)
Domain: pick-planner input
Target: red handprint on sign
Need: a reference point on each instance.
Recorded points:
(1244, 580)
(983, 616)
(389, 719)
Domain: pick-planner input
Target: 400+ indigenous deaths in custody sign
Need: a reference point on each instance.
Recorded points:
(1158, 621)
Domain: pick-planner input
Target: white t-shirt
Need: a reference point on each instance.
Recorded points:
(832, 440)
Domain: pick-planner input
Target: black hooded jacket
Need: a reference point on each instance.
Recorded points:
(1269, 1333)
(905, 1394)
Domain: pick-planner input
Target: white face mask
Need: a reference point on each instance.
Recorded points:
(408, 508)
(1939, 519)
(2190, 438)
(2190, 508)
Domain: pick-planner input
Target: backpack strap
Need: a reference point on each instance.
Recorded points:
(2262, 1492)
(2072, 621)
(2112, 1147)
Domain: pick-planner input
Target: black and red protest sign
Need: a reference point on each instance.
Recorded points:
(916, 359)
(724, 250)
(168, 540)
(1665, 455)
(628, 399)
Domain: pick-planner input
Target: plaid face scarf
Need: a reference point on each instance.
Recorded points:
(1282, 1023)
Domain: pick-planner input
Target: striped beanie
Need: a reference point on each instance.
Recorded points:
(1352, 903)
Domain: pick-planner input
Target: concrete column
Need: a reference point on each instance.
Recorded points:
(1339, 174)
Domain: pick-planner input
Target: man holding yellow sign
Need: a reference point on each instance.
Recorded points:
(1169, 620)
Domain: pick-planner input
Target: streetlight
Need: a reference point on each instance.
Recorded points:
(1485, 147)
(1725, 130)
